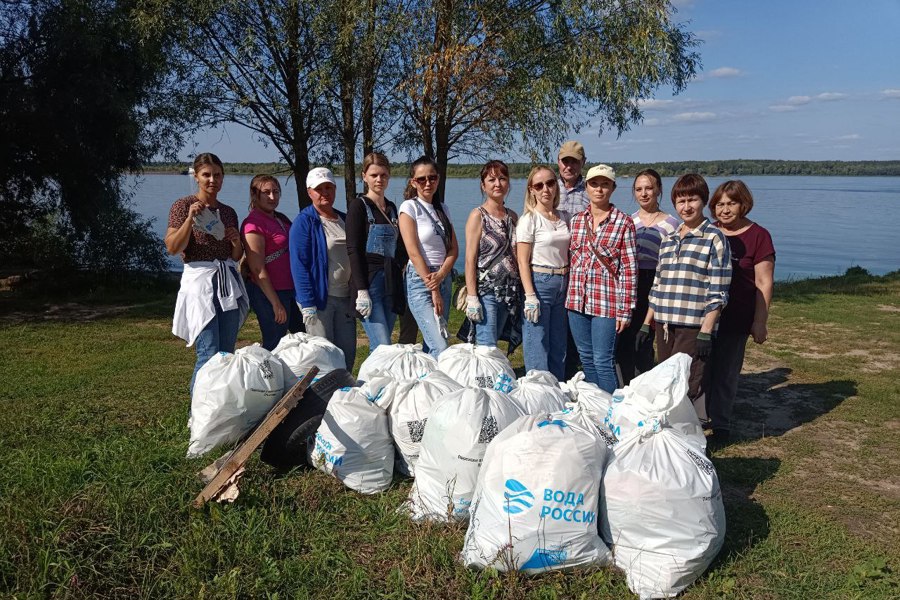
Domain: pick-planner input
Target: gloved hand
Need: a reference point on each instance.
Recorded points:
(311, 321)
(473, 309)
(363, 303)
(643, 336)
(704, 345)
(532, 308)
(442, 325)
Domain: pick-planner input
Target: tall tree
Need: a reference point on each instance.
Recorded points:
(82, 100)
(485, 76)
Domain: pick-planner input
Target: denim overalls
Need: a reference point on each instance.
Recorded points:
(381, 239)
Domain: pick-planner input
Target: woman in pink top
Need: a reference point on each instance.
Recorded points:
(269, 283)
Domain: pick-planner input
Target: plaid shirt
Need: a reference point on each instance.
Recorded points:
(575, 200)
(592, 289)
(692, 277)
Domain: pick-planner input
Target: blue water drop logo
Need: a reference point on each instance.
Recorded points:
(517, 498)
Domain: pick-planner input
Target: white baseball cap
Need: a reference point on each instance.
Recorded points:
(601, 171)
(318, 176)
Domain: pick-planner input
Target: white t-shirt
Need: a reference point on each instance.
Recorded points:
(338, 261)
(431, 246)
(549, 240)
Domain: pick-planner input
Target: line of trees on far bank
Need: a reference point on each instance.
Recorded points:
(710, 168)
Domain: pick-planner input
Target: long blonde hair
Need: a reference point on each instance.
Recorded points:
(530, 202)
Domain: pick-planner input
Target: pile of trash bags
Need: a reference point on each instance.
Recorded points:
(549, 475)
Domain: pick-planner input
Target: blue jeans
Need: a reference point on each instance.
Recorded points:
(544, 342)
(496, 313)
(340, 327)
(595, 338)
(380, 323)
(219, 335)
(272, 332)
(418, 299)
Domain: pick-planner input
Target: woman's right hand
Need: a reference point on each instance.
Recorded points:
(195, 209)
(280, 313)
(432, 282)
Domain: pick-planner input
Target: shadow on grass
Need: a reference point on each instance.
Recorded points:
(766, 407)
(747, 521)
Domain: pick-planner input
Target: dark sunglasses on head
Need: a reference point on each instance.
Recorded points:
(421, 180)
(538, 186)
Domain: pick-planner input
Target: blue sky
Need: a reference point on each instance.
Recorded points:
(789, 79)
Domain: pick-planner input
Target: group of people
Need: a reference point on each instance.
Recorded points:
(574, 278)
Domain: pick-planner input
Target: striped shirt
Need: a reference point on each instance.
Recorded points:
(650, 238)
(593, 290)
(575, 200)
(693, 276)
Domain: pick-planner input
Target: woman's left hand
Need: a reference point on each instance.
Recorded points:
(438, 302)
(232, 235)
(622, 325)
(760, 332)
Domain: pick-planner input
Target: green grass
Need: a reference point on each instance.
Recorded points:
(95, 489)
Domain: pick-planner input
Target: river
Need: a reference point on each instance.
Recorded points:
(820, 225)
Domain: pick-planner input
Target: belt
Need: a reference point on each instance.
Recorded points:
(551, 270)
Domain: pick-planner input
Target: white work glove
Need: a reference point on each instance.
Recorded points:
(311, 321)
(532, 308)
(363, 303)
(209, 222)
(442, 326)
(473, 309)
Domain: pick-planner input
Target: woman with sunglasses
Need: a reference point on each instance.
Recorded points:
(432, 248)
(543, 238)
(491, 269)
(603, 278)
(372, 237)
(651, 225)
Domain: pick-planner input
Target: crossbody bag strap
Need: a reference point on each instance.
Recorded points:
(603, 260)
(439, 227)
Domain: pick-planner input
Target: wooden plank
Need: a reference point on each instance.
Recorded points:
(257, 437)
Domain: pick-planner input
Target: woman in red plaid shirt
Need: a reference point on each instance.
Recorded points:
(602, 278)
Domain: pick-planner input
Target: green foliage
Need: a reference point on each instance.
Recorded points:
(84, 99)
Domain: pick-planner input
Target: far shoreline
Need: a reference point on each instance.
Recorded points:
(712, 168)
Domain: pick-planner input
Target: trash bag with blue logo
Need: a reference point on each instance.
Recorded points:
(353, 442)
(232, 394)
(478, 366)
(659, 394)
(410, 407)
(591, 400)
(298, 352)
(661, 510)
(539, 392)
(456, 435)
(400, 361)
(535, 507)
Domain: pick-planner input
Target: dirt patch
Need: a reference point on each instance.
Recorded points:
(71, 312)
(888, 308)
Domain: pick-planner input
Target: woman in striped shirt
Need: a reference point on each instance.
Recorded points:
(651, 226)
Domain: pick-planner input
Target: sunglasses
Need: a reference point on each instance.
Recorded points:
(423, 179)
(539, 185)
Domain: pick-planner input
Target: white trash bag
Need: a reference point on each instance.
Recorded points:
(539, 392)
(478, 366)
(400, 361)
(232, 394)
(659, 394)
(456, 435)
(661, 510)
(410, 407)
(298, 352)
(538, 493)
(592, 400)
(353, 442)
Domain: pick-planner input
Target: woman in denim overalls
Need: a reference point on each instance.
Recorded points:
(372, 237)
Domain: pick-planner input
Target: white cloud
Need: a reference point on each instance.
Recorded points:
(851, 136)
(650, 122)
(723, 72)
(891, 93)
(782, 108)
(829, 96)
(799, 100)
(654, 104)
(695, 117)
